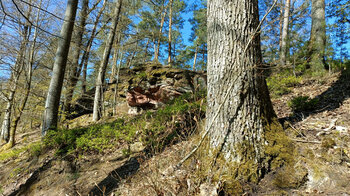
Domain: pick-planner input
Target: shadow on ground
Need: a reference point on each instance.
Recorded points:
(329, 100)
(112, 181)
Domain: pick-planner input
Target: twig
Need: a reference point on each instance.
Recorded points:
(296, 130)
(226, 95)
(100, 189)
(305, 141)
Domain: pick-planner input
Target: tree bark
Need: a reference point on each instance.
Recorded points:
(59, 67)
(115, 59)
(284, 49)
(97, 109)
(317, 45)
(236, 130)
(76, 68)
(170, 26)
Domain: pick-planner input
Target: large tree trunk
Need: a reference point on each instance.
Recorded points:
(76, 68)
(170, 26)
(237, 129)
(59, 67)
(284, 49)
(97, 110)
(318, 36)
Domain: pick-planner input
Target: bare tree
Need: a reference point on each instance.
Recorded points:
(28, 79)
(284, 48)
(97, 110)
(86, 55)
(14, 79)
(59, 67)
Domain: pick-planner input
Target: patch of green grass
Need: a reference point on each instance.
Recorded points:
(13, 153)
(34, 149)
(303, 103)
(154, 129)
(15, 172)
(281, 84)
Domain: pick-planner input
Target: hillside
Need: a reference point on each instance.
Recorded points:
(137, 155)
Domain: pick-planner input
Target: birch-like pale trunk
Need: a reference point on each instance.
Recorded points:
(195, 59)
(281, 24)
(97, 109)
(236, 130)
(54, 93)
(284, 48)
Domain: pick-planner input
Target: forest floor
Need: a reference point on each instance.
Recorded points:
(321, 138)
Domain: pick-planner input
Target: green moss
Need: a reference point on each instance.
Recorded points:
(15, 172)
(12, 153)
(279, 152)
(281, 84)
(34, 149)
(328, 143)
(290, 176)
(155, 129)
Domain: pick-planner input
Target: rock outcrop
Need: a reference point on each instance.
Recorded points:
(145, 87)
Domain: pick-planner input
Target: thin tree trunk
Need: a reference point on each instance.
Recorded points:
(75, 70)
(317, 42)
(237, 128)
(114, 61)
(115, 97)
(163, 14)
(170, 26)
(195, 59)
(284, 49)
(97, 110)
(86, 55)
(15, 74)
(59, 67)
(281, 24)
(146, 51)
(29, 74)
